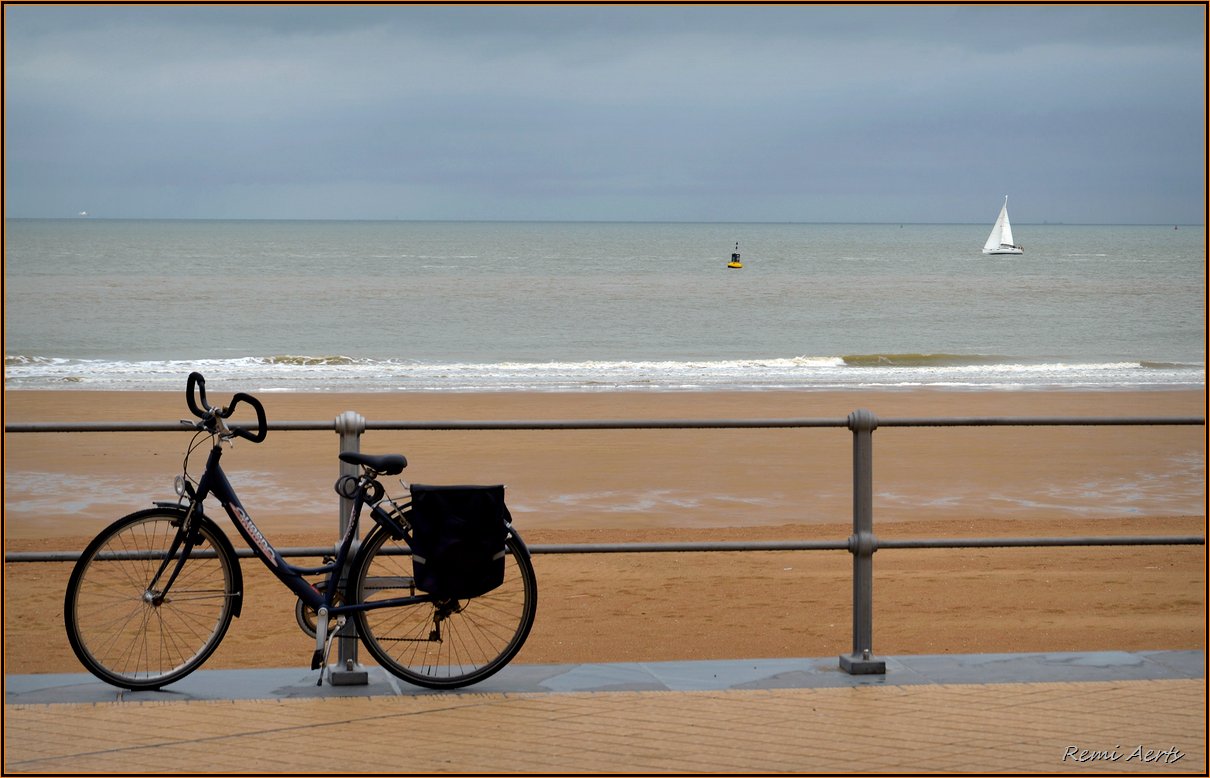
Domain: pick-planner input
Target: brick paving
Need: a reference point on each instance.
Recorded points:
(1152, 726)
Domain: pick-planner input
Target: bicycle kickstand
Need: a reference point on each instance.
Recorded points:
(323, 642)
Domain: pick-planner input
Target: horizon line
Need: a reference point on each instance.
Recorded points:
(76, 218)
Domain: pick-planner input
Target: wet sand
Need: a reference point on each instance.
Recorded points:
(572, 486)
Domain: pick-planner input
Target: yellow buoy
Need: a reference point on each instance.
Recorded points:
(735, 258)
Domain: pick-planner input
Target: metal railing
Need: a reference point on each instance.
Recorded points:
(862, 543)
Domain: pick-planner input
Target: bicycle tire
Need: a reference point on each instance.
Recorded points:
(118, 631)
(446, 644)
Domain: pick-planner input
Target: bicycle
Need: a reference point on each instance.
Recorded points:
(152, 596)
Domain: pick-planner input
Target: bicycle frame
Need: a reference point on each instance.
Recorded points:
(214, 483)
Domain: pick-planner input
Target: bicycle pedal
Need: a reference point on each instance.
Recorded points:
(317, 660)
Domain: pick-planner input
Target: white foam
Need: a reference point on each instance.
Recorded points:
(301, 373)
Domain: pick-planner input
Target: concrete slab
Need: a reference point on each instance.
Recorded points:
(813, 673)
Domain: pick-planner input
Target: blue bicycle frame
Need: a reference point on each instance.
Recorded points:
(214, 483)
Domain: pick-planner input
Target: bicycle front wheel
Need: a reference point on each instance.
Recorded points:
(448, 643)
(122, 625)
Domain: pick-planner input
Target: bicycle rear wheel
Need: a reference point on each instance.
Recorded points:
(444, 644)
(120, 627)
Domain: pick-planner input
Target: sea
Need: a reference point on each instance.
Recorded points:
(395, 306)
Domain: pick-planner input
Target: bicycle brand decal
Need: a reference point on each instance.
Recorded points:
(253, 533)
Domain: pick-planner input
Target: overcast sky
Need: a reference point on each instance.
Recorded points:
(1091, 114)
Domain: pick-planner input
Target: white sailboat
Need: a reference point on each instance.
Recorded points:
(1001, 239)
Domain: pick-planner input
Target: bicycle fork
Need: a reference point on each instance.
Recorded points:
(181, 548)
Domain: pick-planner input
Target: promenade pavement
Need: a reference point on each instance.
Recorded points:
(1084, 713)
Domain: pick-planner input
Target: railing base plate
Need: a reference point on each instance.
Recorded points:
(339, 676)
(862, 665)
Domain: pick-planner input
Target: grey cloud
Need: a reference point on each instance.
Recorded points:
(857, 113)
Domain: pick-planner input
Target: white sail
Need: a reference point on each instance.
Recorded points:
(993, 240)
(1006, 229)
(1000, 241)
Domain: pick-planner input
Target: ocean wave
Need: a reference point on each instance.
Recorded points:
(22, 360)
(1169, 365)
(305, 360)
(922, 360)
(347, 373)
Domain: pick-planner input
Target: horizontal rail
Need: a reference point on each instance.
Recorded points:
(1136, 540)
(771, 545)
(847, 544)
(1045, 421)
(567, 548)
(624, 424)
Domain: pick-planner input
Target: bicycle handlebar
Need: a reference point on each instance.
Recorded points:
(196, 381)
(197, 384)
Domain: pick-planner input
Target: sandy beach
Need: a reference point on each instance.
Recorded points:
(572, 486)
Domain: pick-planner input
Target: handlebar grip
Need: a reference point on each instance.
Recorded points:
(262, 427)
(198, 382)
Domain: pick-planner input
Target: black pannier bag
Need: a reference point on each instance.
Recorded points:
(457, 539)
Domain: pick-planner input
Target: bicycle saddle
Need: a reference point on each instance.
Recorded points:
(382, 464)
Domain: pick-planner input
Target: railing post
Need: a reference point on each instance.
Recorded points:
(862, 545)
(346, 672)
